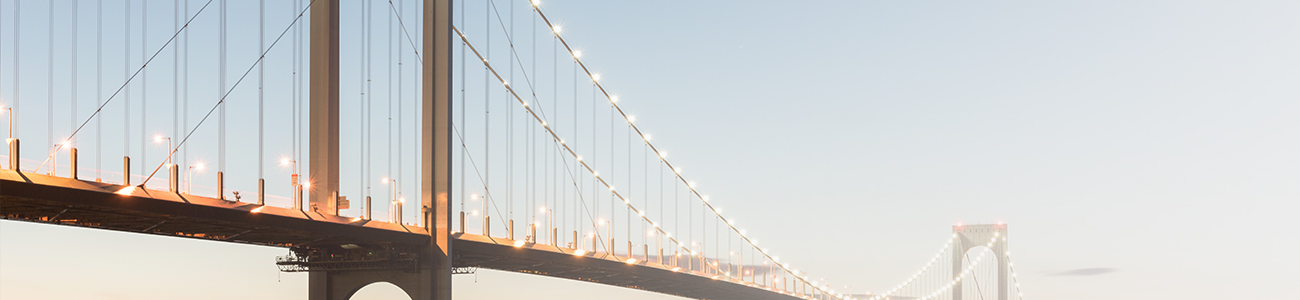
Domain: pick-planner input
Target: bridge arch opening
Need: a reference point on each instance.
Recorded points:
(379, 291)
(982, 281)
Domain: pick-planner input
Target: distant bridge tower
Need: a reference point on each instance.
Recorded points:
(971, 236)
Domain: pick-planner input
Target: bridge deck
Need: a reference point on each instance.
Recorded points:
(64, 201)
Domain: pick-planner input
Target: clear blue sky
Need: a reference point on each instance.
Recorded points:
(1157, 139)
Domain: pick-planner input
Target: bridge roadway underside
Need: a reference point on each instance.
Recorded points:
(64, 201)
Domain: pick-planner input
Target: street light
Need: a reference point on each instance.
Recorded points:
(159, 139)
(550, 223)
(189, 179)
(293, 164)
(396, 199)
(11, 122)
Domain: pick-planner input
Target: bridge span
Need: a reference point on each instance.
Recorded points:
(452, 155)
(64, 201)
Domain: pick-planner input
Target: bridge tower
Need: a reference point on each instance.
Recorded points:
(971, 236)
(430, 279)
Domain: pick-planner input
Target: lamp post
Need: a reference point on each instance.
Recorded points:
(293, 164)
(473, 197)
(9, 141)
(293, 180)
(11, 122)
(189, 178)
(159, 139)
(395, 189)
(550, 222)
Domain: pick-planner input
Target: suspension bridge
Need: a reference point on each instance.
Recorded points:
(514, 154)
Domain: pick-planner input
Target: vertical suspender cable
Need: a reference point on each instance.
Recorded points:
(487, 111)
(577, 193)
(49, 93)
(361, 102)
(555, 94)
(301, 85)
(185, 94)
(297, 99)
(613, 163)
(370, 17)
(399, 106)
(364, 75)
(389, 69)
(144, 82)
(99, 88)
(221, 83)
(261, 87)
(72, 120)
(126, 95)
(401, 92)
(595, 188)
(645, 194)
(463, 102)
(176, 68)
(628, 209)
(534, 79)
(13, 113)
(510, 124)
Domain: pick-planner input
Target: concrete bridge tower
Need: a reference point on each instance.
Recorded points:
(430, 279)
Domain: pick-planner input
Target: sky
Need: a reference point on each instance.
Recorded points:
(1136, 149)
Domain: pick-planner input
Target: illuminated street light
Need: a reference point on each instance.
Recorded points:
(159, 139)
(11, 122)
(189, 178)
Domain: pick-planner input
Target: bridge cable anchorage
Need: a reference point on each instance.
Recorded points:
(590, 169)
(949, 284)
(222, 100)
(123, 87)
